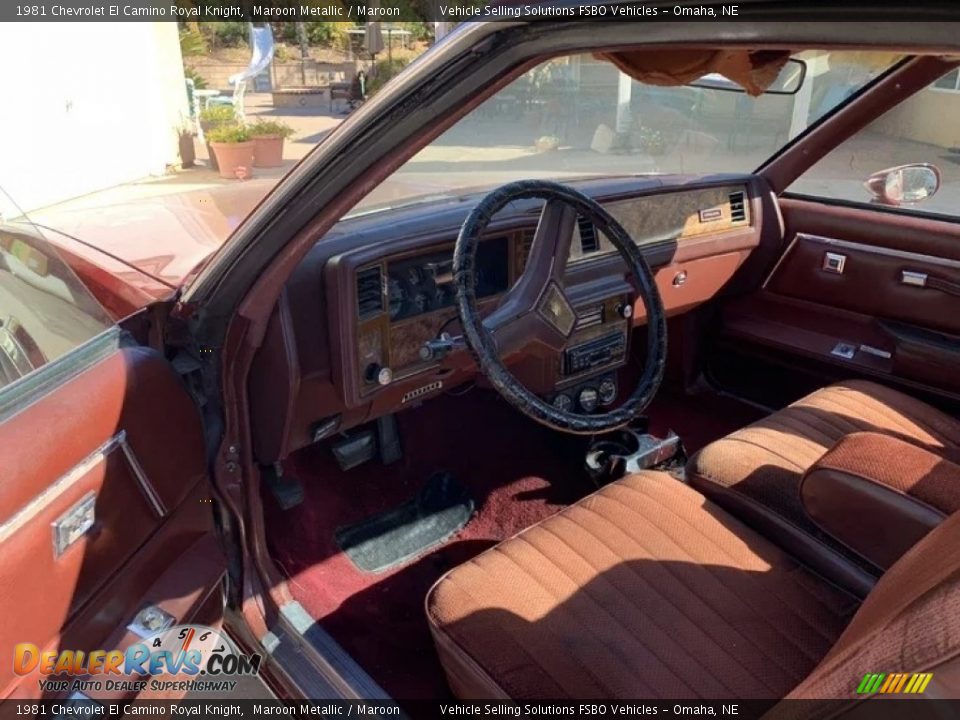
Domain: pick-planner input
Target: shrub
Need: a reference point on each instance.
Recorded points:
(218, 114)
(326, 33)
(230, 34)
(191, 74)
(419, 31)
(234, 133)
(192, 42)
(384, 70)
(261, 128)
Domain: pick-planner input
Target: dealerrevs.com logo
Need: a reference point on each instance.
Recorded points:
(185, 657)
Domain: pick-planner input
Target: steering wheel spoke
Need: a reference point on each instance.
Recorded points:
(547, 320)
(550, 248)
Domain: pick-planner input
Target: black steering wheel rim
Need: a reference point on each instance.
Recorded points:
(483, 347)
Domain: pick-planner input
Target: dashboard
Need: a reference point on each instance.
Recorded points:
(351, 337)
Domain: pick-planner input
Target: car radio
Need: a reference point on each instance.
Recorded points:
(599, 352)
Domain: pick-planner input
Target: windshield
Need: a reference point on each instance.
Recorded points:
(153, 167)
(579, 116)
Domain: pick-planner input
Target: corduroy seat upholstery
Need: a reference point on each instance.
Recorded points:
(645, 589)
(756, 473)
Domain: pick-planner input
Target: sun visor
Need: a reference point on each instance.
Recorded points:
(753, 70)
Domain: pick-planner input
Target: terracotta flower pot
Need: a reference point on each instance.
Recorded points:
(268, 151)
(234, 159)
(207, 126)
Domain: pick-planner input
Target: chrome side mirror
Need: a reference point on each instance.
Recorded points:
(904, 184)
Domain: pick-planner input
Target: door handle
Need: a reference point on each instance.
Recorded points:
(74, 524)
(922, 280)
(915, 279)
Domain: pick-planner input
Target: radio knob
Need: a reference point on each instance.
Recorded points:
(375, 373)
(625, 310)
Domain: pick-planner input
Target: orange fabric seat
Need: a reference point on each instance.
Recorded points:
(756, 472)
(646, 589)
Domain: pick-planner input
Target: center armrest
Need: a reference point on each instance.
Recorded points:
(879, 495)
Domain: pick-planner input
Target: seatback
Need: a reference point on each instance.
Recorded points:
(909, 623)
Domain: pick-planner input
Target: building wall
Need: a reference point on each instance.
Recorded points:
(927, 117)
(87, 106)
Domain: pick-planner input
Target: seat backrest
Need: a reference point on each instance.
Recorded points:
(909, 623)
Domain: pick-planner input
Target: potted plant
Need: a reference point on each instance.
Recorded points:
(211, 118)
(233, 148)
(268, 137)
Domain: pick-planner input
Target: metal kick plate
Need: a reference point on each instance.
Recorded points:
(74, 523)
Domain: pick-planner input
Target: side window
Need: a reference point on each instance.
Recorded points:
(920, 134)
(45, 311)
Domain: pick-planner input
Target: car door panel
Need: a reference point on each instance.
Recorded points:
(897, 330)
(873, 281)
(120, 441)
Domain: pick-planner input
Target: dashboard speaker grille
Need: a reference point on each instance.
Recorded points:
(369, 292)
(738, 208)
(421, 391)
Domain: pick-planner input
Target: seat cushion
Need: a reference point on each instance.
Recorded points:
(643, 589)
(756, 472)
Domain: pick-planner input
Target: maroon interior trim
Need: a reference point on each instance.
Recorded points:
(885, 94)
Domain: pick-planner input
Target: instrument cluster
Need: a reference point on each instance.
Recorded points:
(423, 284)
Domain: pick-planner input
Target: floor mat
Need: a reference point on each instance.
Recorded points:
(394, 537)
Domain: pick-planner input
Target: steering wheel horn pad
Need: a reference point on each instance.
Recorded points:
(536, 308)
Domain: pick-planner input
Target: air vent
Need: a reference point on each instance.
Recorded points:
(589, 317)
(738, 208)
(369, 292)
(523, 249)
(588, 236)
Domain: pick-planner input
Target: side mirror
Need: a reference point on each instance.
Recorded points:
(904, 184)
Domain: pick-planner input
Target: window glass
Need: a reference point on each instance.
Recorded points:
(579, 116)
(45, 311)
(921, 130)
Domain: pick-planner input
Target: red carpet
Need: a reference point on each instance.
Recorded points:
(517, 473)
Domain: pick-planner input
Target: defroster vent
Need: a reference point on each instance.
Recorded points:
(369, 292)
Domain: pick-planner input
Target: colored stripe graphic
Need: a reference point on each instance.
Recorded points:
(894, 683)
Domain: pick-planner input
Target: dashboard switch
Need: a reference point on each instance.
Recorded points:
(438, 348)
(375, 373)
(625, 310)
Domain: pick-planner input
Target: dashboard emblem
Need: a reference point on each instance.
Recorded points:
(555, 309)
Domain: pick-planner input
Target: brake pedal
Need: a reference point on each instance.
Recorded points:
(287, 491)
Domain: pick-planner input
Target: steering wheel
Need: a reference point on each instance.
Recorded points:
(536, 311)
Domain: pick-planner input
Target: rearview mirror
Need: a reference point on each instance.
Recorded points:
(904, 184)
(788, 82)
